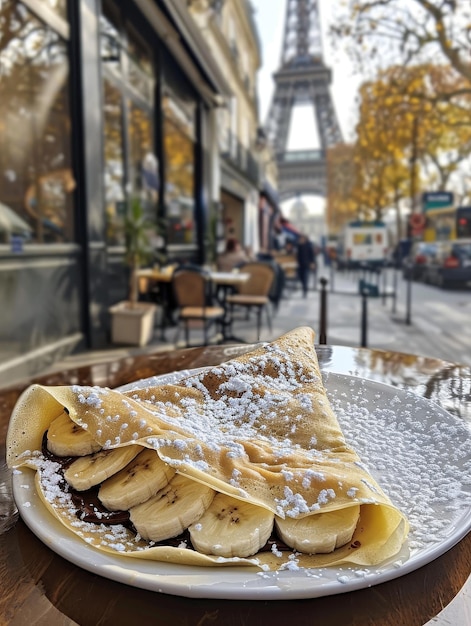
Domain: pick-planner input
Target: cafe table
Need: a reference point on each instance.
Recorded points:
(225, 280)
(221, 282)
(40, 587)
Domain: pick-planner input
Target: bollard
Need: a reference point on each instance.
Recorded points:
(385, 285)
(323, 312)
(409, 298)
(394, 290)
(364, 318)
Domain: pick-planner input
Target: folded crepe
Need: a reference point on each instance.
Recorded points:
(257, 431)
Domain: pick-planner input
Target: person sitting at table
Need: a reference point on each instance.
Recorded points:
(233, 256)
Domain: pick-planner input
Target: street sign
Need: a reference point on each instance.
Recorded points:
(439, 209)
(437, 200)
(417, 222)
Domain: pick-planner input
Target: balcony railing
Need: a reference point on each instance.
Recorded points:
(294, 156)
(240, 156)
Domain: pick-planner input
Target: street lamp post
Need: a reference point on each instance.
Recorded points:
(413, 192)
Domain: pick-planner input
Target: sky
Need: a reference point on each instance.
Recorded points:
(270, 17)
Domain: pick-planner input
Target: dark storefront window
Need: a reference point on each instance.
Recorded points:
(130, 165)
(114, 163)
(179, 123)
(142, 160)
(179, 188)
(36, 178)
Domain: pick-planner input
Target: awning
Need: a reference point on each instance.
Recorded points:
(289, 228)
(271, 194)
(205, 75)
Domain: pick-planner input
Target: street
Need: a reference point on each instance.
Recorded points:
(444, 312)
(439, 319)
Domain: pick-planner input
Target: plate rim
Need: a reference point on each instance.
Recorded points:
(286, 583)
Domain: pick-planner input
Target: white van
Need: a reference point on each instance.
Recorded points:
(363, 244)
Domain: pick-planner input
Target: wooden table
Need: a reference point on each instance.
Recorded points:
(39, 587)
(230, 279)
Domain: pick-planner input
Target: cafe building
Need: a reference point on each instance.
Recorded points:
(101, 102)
(231, 34)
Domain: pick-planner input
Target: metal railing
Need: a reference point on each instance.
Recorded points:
(240, 156)
(293, 156)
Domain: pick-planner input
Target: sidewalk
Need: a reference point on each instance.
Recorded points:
(436, 336)
(386, 324)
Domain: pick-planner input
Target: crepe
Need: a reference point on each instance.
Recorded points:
(259, 428)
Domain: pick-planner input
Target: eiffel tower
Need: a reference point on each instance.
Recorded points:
(303, 78)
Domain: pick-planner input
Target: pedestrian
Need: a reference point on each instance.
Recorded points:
(306, 261)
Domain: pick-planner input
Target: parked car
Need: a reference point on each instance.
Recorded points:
(451, 264)
(414, 265)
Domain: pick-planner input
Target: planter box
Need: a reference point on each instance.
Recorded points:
(132, 326)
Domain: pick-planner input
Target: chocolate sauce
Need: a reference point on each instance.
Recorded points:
(63, 461)
(90, 509)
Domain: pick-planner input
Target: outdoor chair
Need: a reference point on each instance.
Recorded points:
(255, 292)
(289, 266)
(191, 286)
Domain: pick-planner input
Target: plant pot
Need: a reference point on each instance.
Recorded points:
(132, 325)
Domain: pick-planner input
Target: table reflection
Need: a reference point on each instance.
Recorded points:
(447, 384)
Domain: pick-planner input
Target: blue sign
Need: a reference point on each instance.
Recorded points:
(437, 200)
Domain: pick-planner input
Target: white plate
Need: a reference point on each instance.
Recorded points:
(419, 453)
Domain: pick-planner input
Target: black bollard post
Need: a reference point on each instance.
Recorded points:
(364, 318)
(409, 298)
(394, 297)
(323, 312)
(385, 284)
(409, 286)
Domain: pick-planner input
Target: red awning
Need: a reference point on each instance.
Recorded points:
(289, 228)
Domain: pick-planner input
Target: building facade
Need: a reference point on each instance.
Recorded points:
(101, 102)
(230, 31)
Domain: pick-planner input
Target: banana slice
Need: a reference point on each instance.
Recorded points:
(321, 533)
(66, 438)
(137, 482)
(231, 528)
(93, 469)
(172, 509)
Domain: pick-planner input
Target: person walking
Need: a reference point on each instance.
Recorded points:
(306, 260)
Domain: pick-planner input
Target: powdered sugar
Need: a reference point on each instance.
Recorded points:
(418, 453)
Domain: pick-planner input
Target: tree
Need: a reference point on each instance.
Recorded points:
(441, 137)
(340, 202)
(407, 138)
(387, 32)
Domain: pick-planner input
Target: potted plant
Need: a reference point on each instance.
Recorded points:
(132, 321)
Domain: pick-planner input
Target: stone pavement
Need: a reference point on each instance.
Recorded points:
(386, 323)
